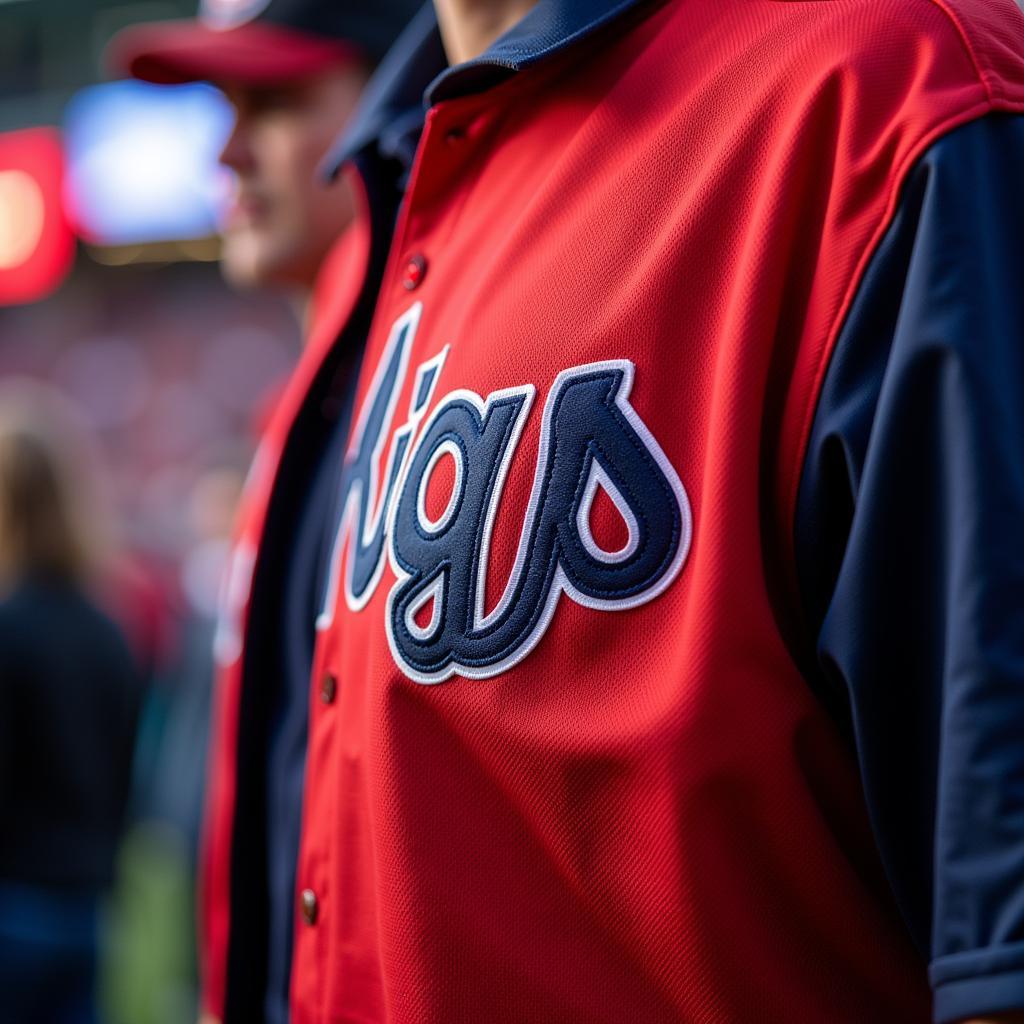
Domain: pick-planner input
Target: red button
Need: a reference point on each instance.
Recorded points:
(415, 271)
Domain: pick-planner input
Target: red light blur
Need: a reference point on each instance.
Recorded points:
(36, 244)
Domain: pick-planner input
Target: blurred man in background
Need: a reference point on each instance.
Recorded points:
(293, 70)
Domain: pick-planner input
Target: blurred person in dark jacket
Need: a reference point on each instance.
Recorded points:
(69, 701)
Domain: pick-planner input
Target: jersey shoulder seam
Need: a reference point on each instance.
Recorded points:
(901, 172)
(981, 68)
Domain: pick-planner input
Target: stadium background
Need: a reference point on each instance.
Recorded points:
(109, 292)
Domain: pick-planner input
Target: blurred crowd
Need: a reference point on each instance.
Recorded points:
(132, 392)
(161, 377)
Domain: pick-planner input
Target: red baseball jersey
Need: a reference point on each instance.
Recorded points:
(563, 765)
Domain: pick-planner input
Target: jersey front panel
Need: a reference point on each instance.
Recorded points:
(571, 772)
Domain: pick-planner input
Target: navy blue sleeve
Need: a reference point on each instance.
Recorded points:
(910, 554)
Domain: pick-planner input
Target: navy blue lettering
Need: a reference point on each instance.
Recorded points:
(590, 437)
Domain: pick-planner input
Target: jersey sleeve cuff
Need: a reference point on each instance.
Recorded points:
(978, 982)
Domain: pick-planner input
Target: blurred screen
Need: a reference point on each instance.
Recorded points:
(142, 162)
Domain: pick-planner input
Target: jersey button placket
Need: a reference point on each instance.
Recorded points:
(412, 266)
(313, 893)
(445, 143)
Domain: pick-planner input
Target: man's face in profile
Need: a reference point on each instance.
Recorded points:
(282, 218)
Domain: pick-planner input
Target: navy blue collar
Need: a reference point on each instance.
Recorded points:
(415, 74)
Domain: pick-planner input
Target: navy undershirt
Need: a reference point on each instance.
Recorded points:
(307, 559)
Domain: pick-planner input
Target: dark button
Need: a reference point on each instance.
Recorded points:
(309, 905)
(328, 687)
(415, 271)
(454, 135)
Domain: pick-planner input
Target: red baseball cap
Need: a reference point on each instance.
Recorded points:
(258, 41)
